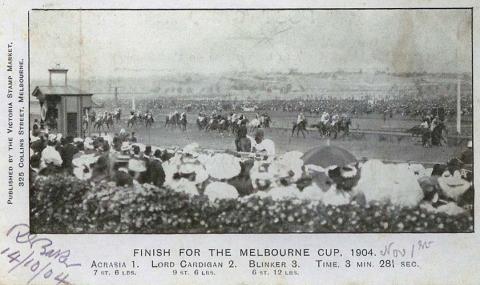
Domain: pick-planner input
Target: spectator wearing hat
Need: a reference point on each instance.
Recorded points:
(133, 139)
(100, 169)
(50, 156)
(242, 142)
(261, 145)
(426, 133)
(35, 128)
(467, 154)
(137, 165)
(122, 178)
(67, 153)
(155, 173)
(38, 145)
(135, 152)
(123, 135)
(117, 143)
(148, 151)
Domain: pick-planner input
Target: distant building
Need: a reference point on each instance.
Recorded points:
(62, 106)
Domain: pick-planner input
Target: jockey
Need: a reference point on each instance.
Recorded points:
(300, 118)
(230, 117)
(325, 118)
(334, 119)
(424, 124)
(433, 124)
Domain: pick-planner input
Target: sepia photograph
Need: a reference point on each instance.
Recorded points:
(251, 121)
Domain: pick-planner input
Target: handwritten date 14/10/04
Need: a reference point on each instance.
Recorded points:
(37, 255)
(35, 266)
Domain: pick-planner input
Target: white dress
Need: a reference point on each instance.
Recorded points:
(394, 183)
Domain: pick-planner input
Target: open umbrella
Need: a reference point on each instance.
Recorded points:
(332, 165)
(326, 156)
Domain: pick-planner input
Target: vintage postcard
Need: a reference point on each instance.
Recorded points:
(226, 143)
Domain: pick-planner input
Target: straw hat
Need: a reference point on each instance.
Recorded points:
(223, 166)
(82, 172)
(52, 137)
(136, 165)
(125, 146)
(220, 190)
(191, 149)
(85, 160)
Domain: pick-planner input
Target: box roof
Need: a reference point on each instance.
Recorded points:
(59, 90)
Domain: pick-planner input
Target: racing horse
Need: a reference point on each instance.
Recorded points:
(439, 134)
(108, 120)
(265, 121)
(217, 123)
(342, 125)
(202, 122)
(300, 127)
(172, 119)
(334, 127)
(254, 124)
(323, 128)
(132, 120)
(117, 114)
(149, 119)
(105, 120)
(99, 123)
(183, 121)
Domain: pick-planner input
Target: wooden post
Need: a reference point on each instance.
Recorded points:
(459, 108)
(116, 97)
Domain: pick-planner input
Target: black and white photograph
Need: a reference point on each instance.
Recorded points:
(251, 121)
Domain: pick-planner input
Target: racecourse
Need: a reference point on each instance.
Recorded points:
(368, 146)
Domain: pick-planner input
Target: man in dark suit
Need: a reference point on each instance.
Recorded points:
(242, 142)
(155, 172)
(67, 153)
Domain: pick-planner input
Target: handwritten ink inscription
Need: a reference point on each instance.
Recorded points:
(38, 258)
(394, 250)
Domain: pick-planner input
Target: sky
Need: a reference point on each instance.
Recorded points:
(107, 44)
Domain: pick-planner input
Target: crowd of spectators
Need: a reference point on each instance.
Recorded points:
(398, 107)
